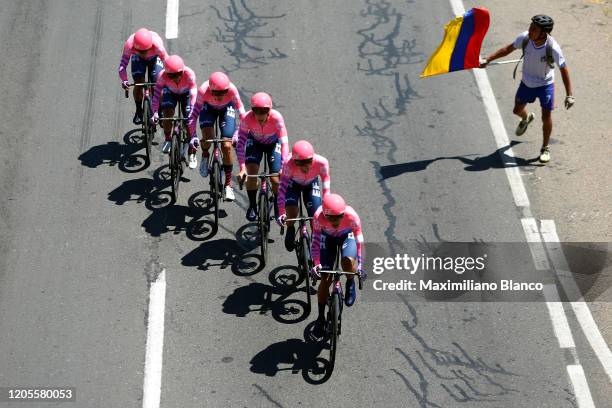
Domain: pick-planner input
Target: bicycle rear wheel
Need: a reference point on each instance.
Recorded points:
(175, 165)
(334, 317)
(214, 190)
(263, 221)
(147, 128)
(306, 263)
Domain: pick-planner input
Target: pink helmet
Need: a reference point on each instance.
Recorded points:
(143, 39)
(174, 64)
(218, 81)
(261, 100)
(333, 204)
(302, 150)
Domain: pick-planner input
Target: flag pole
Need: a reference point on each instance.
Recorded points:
(503, 62)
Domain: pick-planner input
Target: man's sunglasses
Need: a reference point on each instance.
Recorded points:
(334, 218)
(304, 162)
(260, 111)
(174, 75)
(219, 93)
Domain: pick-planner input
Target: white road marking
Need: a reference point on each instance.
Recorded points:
(155, 343)
(519, 193)
(581, 309)
(538, 253)
(172, 14)
(557, 315)
(581, 387)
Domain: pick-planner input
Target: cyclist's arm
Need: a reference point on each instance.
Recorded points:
(159, 85)
(237, 101)
(357, 232)
(282, 136)
(125, 59)
(566, 80)
(242, 138)
(193, 115)
(502, 52)
(282, 189)
(315, 250)
(325, 179)
(159, 45)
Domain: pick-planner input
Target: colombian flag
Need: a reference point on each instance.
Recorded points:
(460, 48)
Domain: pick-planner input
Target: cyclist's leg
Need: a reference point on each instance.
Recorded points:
(291, 208)
(328, 257)
(292, 196)
(275, 163)
(155, 67)
(139, 68)
(253, 155)
(349, 264)
(208, 115)
(312, 197)
(547, 102)
(228, 126)
(522, 98)
(169, 101)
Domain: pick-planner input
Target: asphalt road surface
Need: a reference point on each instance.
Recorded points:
(86, 228)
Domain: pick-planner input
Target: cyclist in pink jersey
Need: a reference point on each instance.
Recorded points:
(217, 98)
(146, 51)
(300, 175)
(175, 83)
(261, 131)
(335, 223)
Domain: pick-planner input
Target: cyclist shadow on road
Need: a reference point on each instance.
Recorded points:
(276, 299)
(124, 156)
(496, 160)
(293, 355)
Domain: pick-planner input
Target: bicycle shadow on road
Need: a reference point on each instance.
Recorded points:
(115, 154)
(496, 160)
(293, 355)
(262, 298)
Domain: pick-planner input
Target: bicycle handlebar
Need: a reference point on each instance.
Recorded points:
(263, 175)
(298, 219)
(344, 273)
(179, 118)
(217, 140)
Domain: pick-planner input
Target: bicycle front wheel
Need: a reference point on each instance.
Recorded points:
(147, 128)
(306, 264)
(262, 208)
(334, 332)
(175, 165)
(214, 190)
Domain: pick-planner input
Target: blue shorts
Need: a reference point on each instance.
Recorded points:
(140, 65)
(311, 195)
(227, 124)
(254, 152)
(329, 244)
(545, 93)
(170, 99)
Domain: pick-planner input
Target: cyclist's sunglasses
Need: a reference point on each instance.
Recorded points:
(303, 162)
(260, 111)
(174, 75)
(334, 218)
(219, 93)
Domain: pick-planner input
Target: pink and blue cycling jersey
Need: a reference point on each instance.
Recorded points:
(271, 132)
(350, 223)
(205, 96)
(187, 84)
(293, 173)
(157, 50)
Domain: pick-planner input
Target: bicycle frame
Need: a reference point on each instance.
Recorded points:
(148, 130)
(176, 158)
(215, 161)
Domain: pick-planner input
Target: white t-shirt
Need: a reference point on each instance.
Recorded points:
(536, 71)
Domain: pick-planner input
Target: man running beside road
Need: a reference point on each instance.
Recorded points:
(175, 83)
(262, 131)
(335, 223)
(146, 51)
(301, 175)
(217, 97)
(541, 52)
